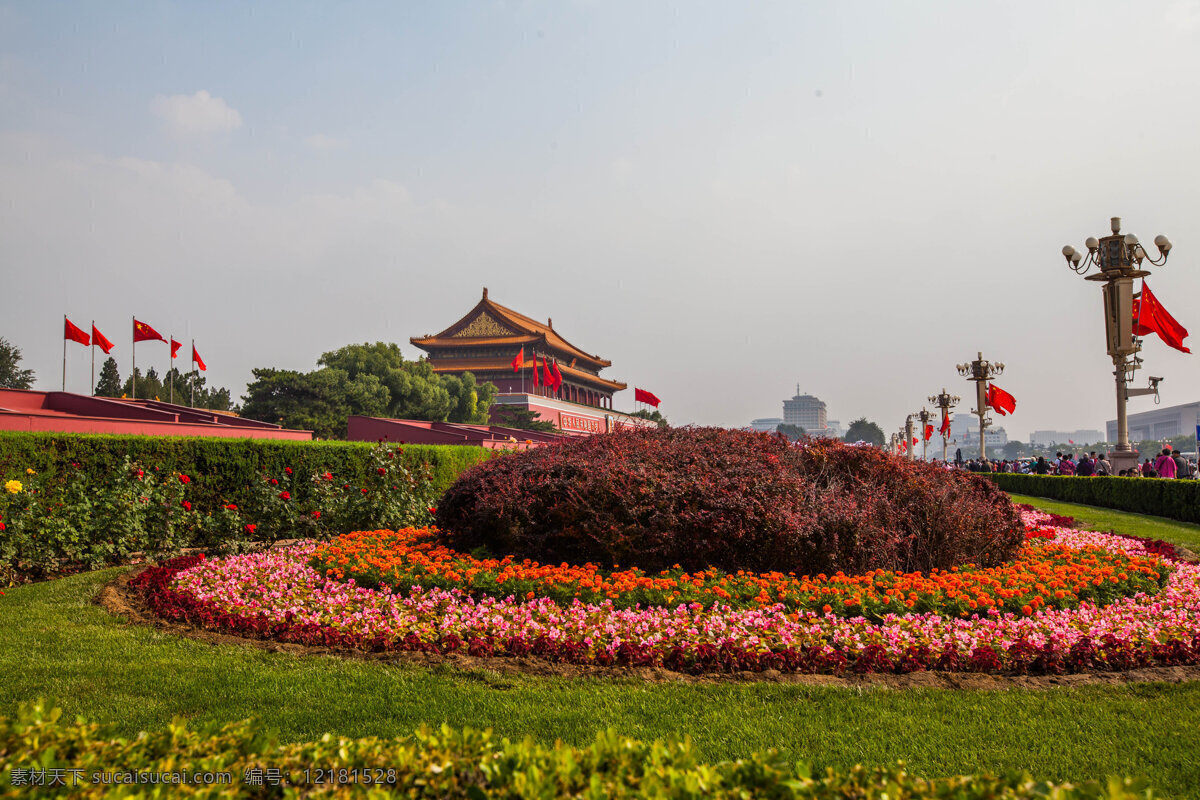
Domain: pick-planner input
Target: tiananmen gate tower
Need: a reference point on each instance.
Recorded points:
(487, 341)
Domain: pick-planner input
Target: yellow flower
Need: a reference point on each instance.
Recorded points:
(29, 471)
(13, 487)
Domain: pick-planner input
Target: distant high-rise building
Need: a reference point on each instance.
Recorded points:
(806, 411)
(766, 424)
(964, 430)
(1161, 423)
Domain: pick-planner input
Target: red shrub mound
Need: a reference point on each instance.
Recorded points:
(710, 497)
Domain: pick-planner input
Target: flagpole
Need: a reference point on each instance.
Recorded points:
(93, 392)
(170, 377)
(133, 352)
(192, 402)
(64, 385)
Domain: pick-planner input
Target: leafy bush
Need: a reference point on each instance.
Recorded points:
(82, 519)
(1162, 497)
(709, 497)
(242, 760)
(225, 470)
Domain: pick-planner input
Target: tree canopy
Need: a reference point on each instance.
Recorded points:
(793, 432)
(367, 379)
(653, 416)
(863, 430)
(11, 374)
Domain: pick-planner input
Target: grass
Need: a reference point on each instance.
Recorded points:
(60, 646)
(1105, 519)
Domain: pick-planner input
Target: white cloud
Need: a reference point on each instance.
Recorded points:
(198, 114)
(319, 141)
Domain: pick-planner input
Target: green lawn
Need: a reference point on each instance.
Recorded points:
(1105, 519)
(58, 645)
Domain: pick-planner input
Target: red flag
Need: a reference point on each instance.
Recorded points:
(915, 440)
(175, 346)
(99, 340)
(547, 376)
(642, 396)
(1150, 317)
(199, 361)
(945, 429)
(75, 334)
(535, 370)
(903, 446)
(1001, 401)
(518, 360)
(144, 333)
(557, 375)
(928, 432)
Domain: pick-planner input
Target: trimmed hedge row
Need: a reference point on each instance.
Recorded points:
(1161, 497)
(455, 763)
(221, 468)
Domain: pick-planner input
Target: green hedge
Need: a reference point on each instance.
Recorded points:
(1161, 497)
(221, 468)
(461, 764)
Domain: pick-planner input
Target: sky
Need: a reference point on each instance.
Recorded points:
(727, 200)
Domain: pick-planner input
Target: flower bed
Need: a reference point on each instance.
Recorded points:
(1049, 575)
(279, 595)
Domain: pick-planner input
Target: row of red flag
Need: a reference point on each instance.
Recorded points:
(141, 333)
(551, 377)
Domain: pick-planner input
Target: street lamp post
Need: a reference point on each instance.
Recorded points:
(1119, 260)
(924, 416)
(908, 437)
(945, 402)
(981, 371)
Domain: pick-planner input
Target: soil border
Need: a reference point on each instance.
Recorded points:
(118, 598)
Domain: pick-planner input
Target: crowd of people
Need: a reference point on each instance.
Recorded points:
(1167, 464)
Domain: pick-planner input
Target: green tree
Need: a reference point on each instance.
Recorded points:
(415, 391)
(792, 432)
(522, 418)
(1014, 449)
(653, 416)
(189, 385)
(319, 401)
(863, 430)
(11, 374)
(109, 384)
(149, 386)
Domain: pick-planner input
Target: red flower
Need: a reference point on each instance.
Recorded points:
(391, 454)
(186, 505)
(364, 491)
(328, 476)
(232, 506)
(382, 470)
(316, 515)
(288, 470)
(251, 527)
(345, 486)
(274, 482)
(432, 510)
(285, 496)
(2, 528)
(139, 473)
(184, 479)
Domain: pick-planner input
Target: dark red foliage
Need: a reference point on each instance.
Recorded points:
(710, 497)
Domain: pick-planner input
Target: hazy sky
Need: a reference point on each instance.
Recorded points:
(726, 200)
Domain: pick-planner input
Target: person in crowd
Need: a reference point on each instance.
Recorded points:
(1103, 465)
(1164, 465)
(1057, 461)
(1086, 468)
(1181, 469)
(1041, 467)
(1147, 468)
(1066, 466)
